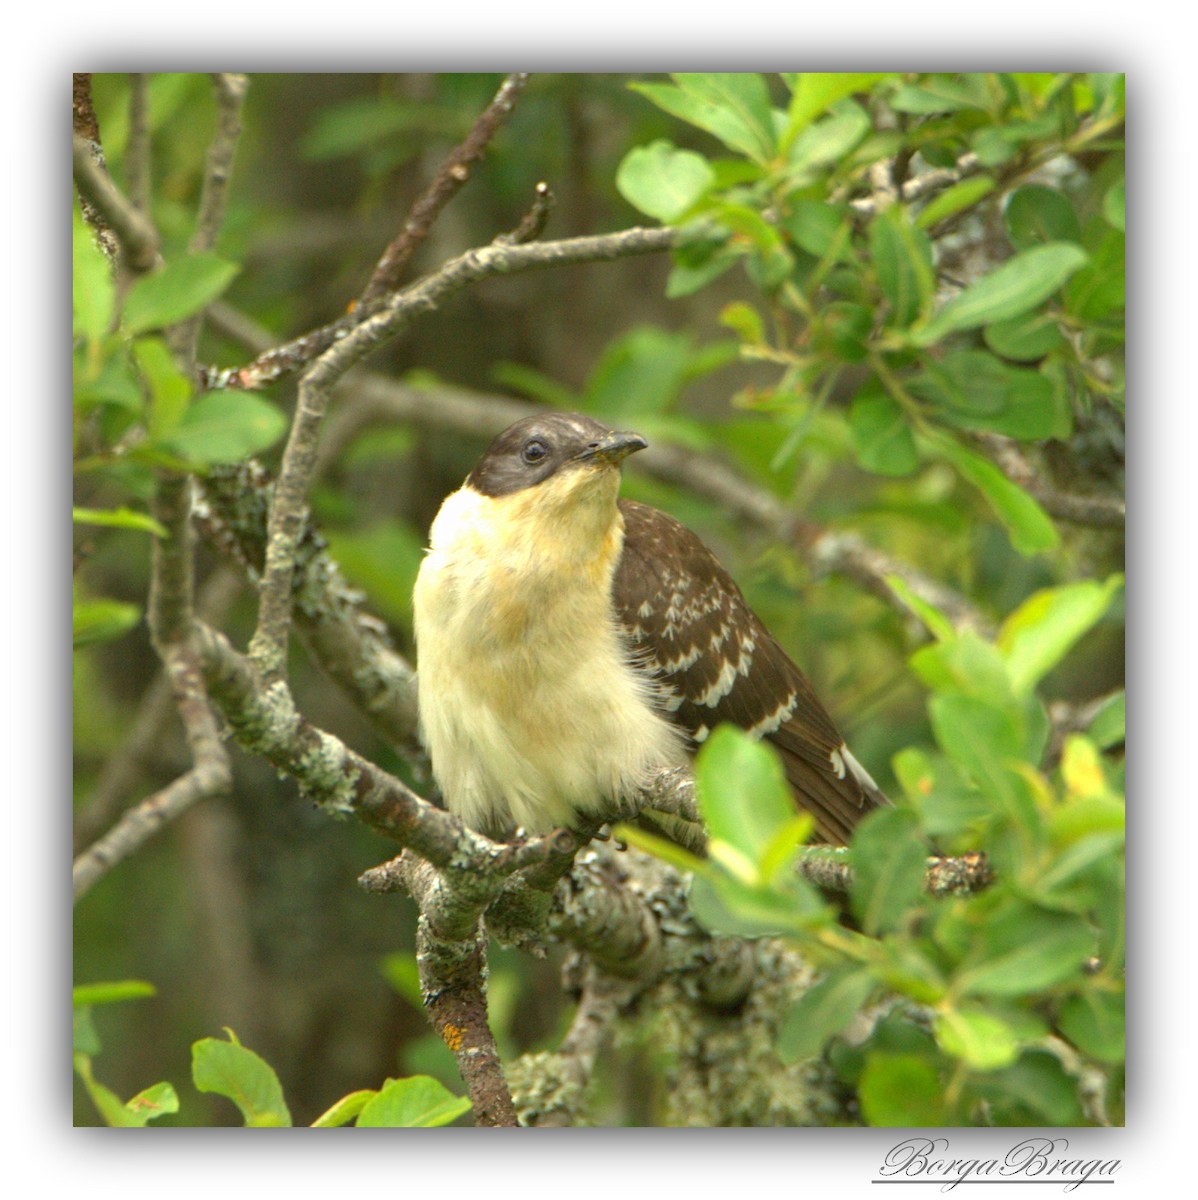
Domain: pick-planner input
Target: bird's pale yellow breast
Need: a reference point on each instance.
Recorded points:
(528, 702)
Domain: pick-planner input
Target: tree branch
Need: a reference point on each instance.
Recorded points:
(449, 180)
(137, 236)
(170, 623)
(349, 643)
(269, 643)
(499, 258)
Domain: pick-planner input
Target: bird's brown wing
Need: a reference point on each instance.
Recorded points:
(689, 625)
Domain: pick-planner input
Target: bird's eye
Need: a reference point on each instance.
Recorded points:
(534, 451)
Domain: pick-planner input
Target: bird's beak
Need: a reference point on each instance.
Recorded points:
(613, 448)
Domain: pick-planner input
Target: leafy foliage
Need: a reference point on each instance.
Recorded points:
(226, 1068)
(1013, 996)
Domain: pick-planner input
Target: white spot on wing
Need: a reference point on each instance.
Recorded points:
(774, 721)
(721, 687)
(859, 772)
(837, 757)
(682, 661)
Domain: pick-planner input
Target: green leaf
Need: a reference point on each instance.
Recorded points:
(822, 1012)
(175, 291)
(101, 620)
(979, 1038)
(730, 907)
(93, 290)
(955, 199)
(742, 94)
(983, 739)
(1099, 290)
(118, 518)
(1024, 949)
(1016, 287)
(1093, 1021)
(725, 123)
(419, 1102)
(229, 1069)
(111, 381)
(889, 859)
(933, 619)
(745, 321)
(1109, 726)
(814, 92)
(842, 330)
(964, 663)
(902, 1090)
(902, 258)
(937, 95)
(85, 1038)
(663, 181)
(1029, 526)
(1114, 206)
(1036, 215)
(828, 141)
(976, 390)
(1036, 1090)
(685, 280)
(1042, 630)
(994, 145)
(344, 1110)
(170, 390)
(225, 427)
(90, 994)
(882, 436)
(356, 126)
(815, 226)
(155, 1101)
(1026, 338)
(742, 791)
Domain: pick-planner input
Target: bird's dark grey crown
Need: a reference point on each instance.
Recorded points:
(533, 449)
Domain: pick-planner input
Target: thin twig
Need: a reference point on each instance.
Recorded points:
(230, 97)
(533, 223)
(137, 149)
(962, 874)
(449, 180)
(936, 179)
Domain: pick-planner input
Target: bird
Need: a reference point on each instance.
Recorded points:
(571, 642)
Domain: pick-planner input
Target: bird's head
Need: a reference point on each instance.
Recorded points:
(562, 459)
